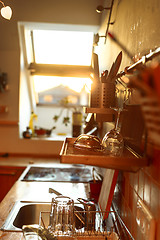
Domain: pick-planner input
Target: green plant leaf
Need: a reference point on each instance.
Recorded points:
(55, 118)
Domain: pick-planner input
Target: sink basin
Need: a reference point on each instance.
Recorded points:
(26, 213)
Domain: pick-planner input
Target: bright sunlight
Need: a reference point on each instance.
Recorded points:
(63, 47)
(42, 83)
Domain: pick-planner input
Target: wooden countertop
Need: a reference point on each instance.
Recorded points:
(24, 161)
(36, 191)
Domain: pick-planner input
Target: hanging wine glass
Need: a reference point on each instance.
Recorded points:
(113, 142)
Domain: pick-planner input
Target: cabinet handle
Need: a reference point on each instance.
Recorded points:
(8, 173)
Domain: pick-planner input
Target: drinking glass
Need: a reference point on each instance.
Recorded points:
(31, 236)
(113, 142)
(30, 232)
(62, 216)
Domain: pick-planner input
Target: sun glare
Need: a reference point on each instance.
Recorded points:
(63, 47)
(43, 83)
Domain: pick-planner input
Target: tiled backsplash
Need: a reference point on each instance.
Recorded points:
(132, 187)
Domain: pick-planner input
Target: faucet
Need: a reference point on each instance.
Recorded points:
(90, 213)
(51, 190)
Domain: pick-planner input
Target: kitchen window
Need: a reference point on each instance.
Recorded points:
(60, 60)
(55, 67)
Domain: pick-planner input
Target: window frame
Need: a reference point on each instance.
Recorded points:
(52, 69)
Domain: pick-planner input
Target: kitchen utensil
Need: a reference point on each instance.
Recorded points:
(96, 176)
(108, 84)
(104, 75)
(90, 213)
(114, 69)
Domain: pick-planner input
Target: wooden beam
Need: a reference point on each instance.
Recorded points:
(60, 70)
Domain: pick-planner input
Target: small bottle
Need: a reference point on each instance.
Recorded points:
(76, 124)
(27, 133)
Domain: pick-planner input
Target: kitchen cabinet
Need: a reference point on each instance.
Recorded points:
(8, 176)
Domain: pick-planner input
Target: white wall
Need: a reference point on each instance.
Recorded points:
(136, 26)
(45, 120)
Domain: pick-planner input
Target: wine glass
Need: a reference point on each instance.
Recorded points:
(113, 142)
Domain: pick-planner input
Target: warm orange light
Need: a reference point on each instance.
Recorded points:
(43, 83)
(6, 11)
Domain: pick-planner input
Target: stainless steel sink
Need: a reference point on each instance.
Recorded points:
(26, 213)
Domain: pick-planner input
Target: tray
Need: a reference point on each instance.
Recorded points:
(129, 161)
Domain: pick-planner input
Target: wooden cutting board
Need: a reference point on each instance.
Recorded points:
(107, 190)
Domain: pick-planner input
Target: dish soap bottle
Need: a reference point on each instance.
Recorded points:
(32, 117)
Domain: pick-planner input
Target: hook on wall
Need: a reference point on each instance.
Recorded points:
(3, 82)
(96, 39)
(100, 8)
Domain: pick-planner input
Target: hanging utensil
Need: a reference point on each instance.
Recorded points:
(104, 75)
(114, 69)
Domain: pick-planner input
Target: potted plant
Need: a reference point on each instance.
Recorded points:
(77, 116)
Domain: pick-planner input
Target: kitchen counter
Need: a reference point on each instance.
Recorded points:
(24, 162)
(36, 191)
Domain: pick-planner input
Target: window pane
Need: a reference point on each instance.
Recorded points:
(63, 47)
(54, 90)
(43, 83)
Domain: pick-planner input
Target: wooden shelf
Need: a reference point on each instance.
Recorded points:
(127, 162)
(100, 110)
(102, 114)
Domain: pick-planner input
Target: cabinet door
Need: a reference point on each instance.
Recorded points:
(8, 176)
